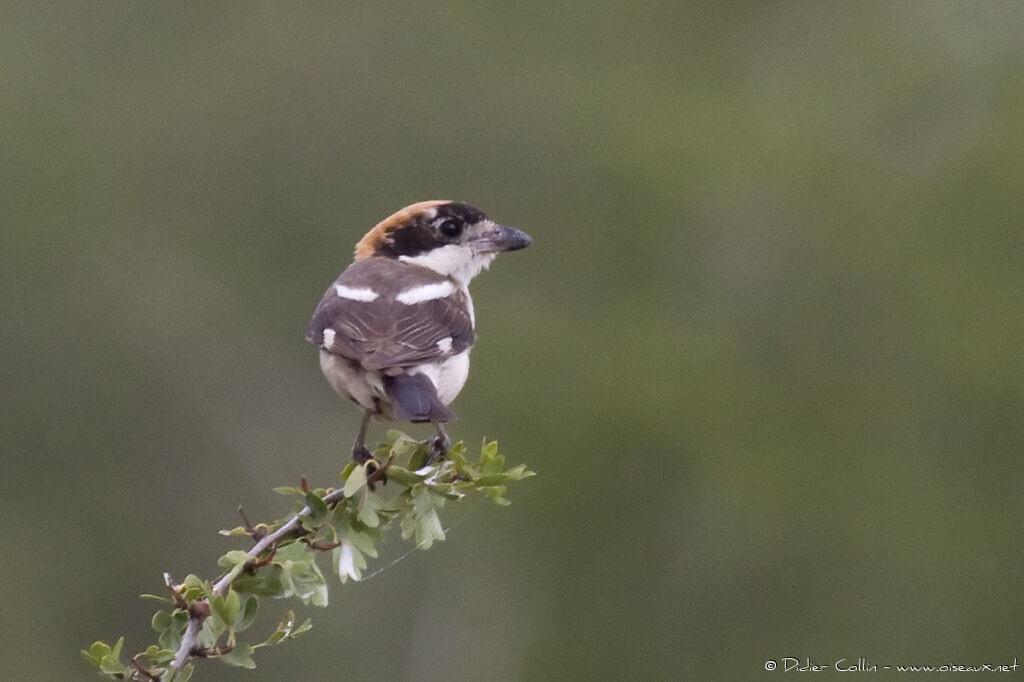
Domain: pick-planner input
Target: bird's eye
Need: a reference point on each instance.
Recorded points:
(450, 228)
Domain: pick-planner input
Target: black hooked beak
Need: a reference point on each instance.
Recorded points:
(502, 238)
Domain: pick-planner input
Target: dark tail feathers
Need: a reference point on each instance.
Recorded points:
(414, 398)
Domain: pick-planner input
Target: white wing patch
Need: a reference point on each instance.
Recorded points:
(356, 294)
(445, 344)
(426, 292)
(328, 338)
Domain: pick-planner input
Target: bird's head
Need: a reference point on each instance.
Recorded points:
(451, 238)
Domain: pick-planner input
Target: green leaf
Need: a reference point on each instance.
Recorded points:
(161, 621)
(492, 465)
(357, 522)
(227, 607)
(349, 559)
(403, 476)
(210, 632)
(489, 450)
(421, 519)
(398, 444)
(457, 456)
(110, 664)
(194, 587)
(306, 626)
(495, 492)
(156, 597)
(240, 656)
(283, 628)
(518, 473)
(349, 562)
(292, 551)
(235, 557)
(355, 481)
(96, 652)
(317, 509)
(158, 656)
(369, 507)
(309, 583)
(266, 583)
(418, 459)
(250, 606)
(364, 540)
(429, 529)
(300, 576)
(287, 629)
(236, 560)
(276, 637)
(170, 636)
(489, 479)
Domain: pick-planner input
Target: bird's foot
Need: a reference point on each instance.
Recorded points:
(376, 471)
(437, 448)
(361, 453)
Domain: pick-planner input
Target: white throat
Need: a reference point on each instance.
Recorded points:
(459, 262)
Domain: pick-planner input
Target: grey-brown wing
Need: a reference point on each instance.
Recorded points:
(382, 333)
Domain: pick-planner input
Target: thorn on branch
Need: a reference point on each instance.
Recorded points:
(179, 601)
(303, 484)
(255, 532)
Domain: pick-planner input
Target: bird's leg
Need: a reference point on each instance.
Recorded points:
(360, 452)
(439, 445)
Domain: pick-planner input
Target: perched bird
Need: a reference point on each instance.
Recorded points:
(395, 329)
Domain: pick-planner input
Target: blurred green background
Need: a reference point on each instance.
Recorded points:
(765, 353)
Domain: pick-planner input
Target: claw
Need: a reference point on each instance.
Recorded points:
(376, 470)
(438, 447)
(361, 453)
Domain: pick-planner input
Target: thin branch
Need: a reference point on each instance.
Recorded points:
(195, 620)
(291, 552)
(188, 642)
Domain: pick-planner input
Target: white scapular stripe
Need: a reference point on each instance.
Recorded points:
(354, 294)
(426, 292)
(445, 344)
